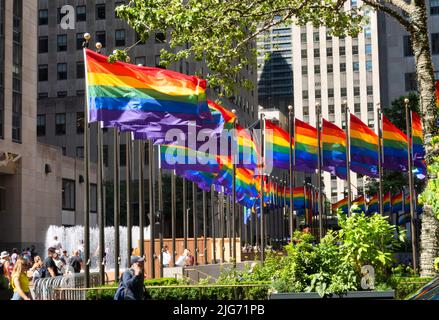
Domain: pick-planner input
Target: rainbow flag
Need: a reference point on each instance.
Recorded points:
(360, 202)
(142, 99)
(407, 203)
(247, 149)
(419, 164)
(364, 148)
(436, 84)
(397, 200)
(204, 180)
(334, 149)
(387, 199)
(340, 205)
(405, 217)
(394, 147)
(277, 143)
(179, 157)
(372, 205)
(306, 147)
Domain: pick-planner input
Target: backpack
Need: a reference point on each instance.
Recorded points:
(121, 290)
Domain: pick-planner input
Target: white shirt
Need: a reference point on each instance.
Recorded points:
(166, 258)
(56, 244)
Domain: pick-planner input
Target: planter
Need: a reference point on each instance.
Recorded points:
(350, 295)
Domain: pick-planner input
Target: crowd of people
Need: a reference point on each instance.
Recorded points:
(19, 271)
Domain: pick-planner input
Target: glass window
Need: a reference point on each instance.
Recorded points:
(317, 69)
(16, 117)
(80, 70)
(80, 152)
(60, 124)
(357, 107)
(62, 71)
(342, 51)
(305, 70)
(79, 41)
(41, 125)
(329, 52)
(305, 110)
(330, 68)
(330, 92)
(356, 91)
(61, 94)
(303, 37)
(411, 83)
(370, 106)
(408, 51)
(43, 72)
(117, 4)
(93, 197)
(105, 155)
(100, 11)
(331, 108)
(43, 17)
(304, 53)
(122, 155)
(354, 49)
(316, 53)
(356, 66)
(318, 93)
(367, 32)
(368, 48)
(68, 194)
(343, 92)
(316, 36)
(160, 37)
(435, 43)
(43, 44)
(62, 42)
(80, 122)
(305, 94)
(342, 67)
(140, 60)
(120, 38)
(369, 90)
(434, 7)
(100, 37)
(368, 65)
(371, 123)
(81, 13)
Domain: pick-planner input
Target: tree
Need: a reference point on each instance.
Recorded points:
(222, 33)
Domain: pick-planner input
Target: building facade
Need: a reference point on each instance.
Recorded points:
(39, 186)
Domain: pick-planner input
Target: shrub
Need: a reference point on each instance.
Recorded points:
(406, 286)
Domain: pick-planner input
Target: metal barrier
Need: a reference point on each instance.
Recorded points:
(46, 288)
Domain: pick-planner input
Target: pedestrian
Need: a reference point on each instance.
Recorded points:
(181, 261)
(19, 281)
(56, 243)
(49, 264)
(58, 262)
(64, 257)
(37, 269)
(14, 256)
(131, 285)
(75, 262)
(166, 257)
(190, 259)
(5, 276)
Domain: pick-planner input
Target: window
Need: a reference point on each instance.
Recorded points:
(368, 48)
(316, 37)
(356, 66)
(120, 38)
(62, 42)
(81, 13)
(140, 60)
(303, 37)
(43, 44)
(16, 117)
(408, 51)
(343, 67)
(122, 155)
(342, 51)
(343, 92)
(41, 125)
(330, 68)
(68, 194)
(100, 37)
(160, 37)
(435, 43)
(157, 63)
(371, 123)
(60, 124)
(410, 81)
(80, 70)
(43, 72)
(331, 109)
(370, 106)
(303, 53)
(318, 93)
(317, 69)
(43, 17)
(369, 90)
(357, 107)
(356, 91)
(329, 52)
(61, 94)
(117, 4)
(316, 53)
(305, 70)
(80, 152)
(354, 49)
(305, 110)
(93, 197)
(305, 94)
(368, 65)
(80, 122)
(105, 155)
(42, 95)
(79, 41)
(434, 7)
(367, 32)
(331, 92)
(100, 11)
(62, 71)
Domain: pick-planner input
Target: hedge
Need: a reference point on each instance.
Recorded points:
(406, 286)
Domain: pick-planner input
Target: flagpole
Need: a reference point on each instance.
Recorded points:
(100, 207)
(173, 215)
(221, 217)
(262, 142)
(319, 168)
(160, 211)
(411, 185)
(195, 221)
(151, 209)
(141, 159)
(185, 213)
(233, 220)
(212, 212)
(348, 156)
(129, 246)
(116, 188)
(229, 235)
(380, 158)
(205, 226)
(85, 45)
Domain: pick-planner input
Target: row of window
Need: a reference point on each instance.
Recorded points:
(343, 92)
(330, 67)
(331, 108)
(60, 124)
(80, 13)
(341, 50)
(407, 45)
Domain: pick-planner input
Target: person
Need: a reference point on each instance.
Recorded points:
(14, 256)
(58, 262)
(131, 285)
(181, 261)
(49, 264)
(64, 257)
(33, 252)
(5, 276)
(19, 281)
(166, 257)
(190, 259)
(56, 243)
(306, 229)
(75, 262)
(37, 269)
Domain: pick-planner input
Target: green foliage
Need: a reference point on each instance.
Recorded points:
(222, 33)
(406, 286)
(430, 195)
